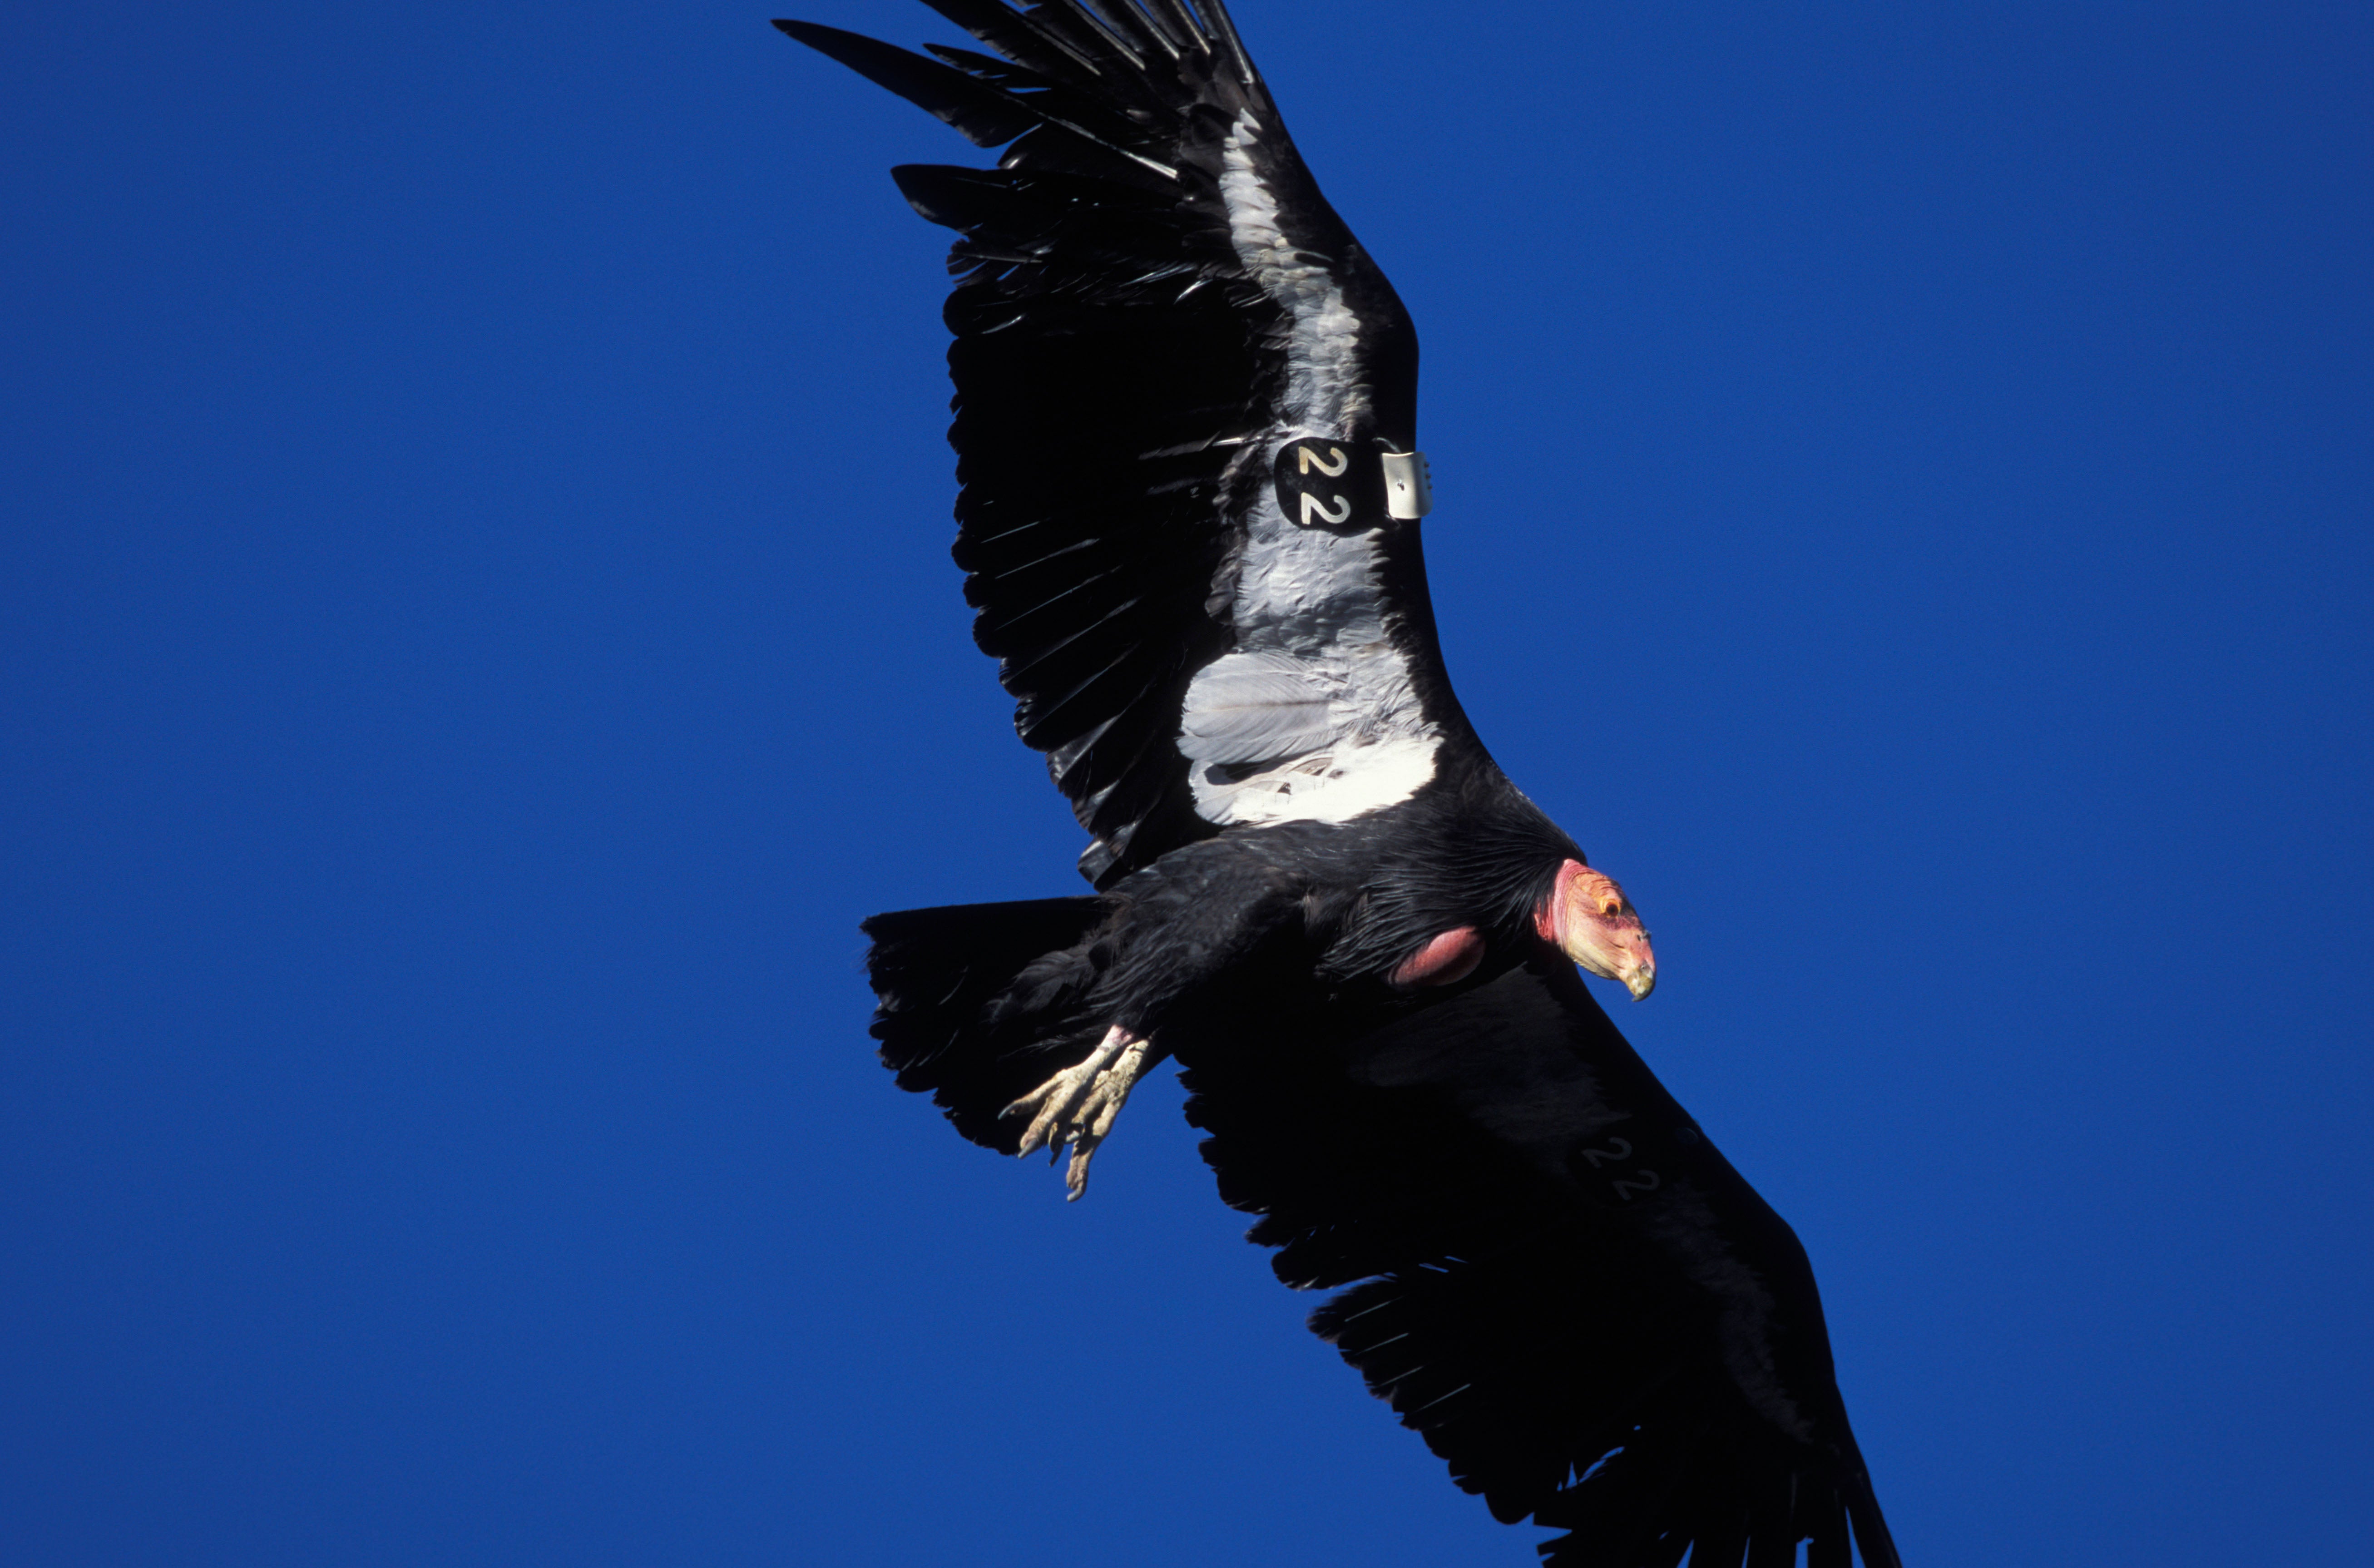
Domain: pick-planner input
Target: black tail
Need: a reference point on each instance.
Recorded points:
(981, 1003)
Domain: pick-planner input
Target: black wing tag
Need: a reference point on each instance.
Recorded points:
(1331, 484)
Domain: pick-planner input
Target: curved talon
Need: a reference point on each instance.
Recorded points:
(1077, 1105)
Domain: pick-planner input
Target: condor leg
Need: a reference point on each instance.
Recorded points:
(1077, 1105)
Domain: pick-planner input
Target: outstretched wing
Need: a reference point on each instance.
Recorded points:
(1554, 1276)
(1178, 375)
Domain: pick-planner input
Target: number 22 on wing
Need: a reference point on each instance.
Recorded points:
(1313, 509)
(1645, 1181)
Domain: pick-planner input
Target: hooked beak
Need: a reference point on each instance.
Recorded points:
(1593, 924)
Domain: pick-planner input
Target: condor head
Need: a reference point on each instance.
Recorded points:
(1593, 924)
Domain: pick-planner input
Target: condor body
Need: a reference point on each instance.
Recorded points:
(1190, 490)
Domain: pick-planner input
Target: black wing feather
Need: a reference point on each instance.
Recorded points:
(1644, 1366)
(1020, 38)
(982, 115)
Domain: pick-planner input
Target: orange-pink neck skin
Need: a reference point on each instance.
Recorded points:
(1445, 961)
(1593, 924)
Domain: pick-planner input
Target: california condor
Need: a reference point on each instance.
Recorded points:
(1186, 430)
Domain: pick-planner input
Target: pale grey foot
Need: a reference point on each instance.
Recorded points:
(1077, 1105)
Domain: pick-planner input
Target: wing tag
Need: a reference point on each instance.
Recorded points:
(1331, 484)
(1409, 486)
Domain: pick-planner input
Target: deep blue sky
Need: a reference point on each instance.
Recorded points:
(478, 635)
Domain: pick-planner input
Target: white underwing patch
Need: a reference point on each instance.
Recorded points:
(1314, 717)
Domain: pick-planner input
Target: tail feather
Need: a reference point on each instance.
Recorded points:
(980, 1004)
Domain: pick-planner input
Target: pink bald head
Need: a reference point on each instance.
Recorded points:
(1593, 924)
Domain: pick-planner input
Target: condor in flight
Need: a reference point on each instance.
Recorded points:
(1186, 430)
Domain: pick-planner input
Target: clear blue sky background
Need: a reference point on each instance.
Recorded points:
(478, 635)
